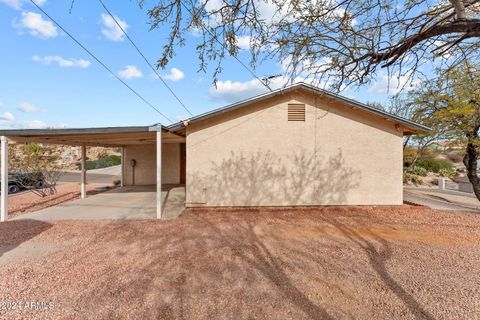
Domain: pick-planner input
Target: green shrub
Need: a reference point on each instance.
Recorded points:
(105, 162)
(419, 171)
(33, 148)
(434, 165)
(444, 172)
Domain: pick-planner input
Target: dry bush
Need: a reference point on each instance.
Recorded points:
(44, 165)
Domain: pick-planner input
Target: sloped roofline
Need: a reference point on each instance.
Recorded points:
(301, 85)
(78, 131)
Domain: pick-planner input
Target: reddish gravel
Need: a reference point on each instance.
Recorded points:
(29, 202)
(332, 263)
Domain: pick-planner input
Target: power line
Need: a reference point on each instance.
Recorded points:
(100, 62)
(144, 58)
(225, 47)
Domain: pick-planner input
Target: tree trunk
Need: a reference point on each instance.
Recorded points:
(405, 142)
(470, 162)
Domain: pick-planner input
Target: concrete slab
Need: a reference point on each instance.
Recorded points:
(438, 200)
(134, 202)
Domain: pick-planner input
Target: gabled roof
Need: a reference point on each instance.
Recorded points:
(113, 136)
(301, 85)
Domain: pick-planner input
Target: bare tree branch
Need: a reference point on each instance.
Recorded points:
(332, 42)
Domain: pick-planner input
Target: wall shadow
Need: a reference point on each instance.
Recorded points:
(265, 179)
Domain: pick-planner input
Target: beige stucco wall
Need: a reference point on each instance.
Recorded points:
(255, 157)
(145, 169)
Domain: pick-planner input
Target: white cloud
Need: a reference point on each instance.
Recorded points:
(62, 62)
(37, 26)
(110, 28)
(392, 84)
(130, 72)
(174, 75)
(233, 91)
(27, 107)
(32, 124)
(8, 120)
(243, 42)
(17, 4)
(7, 116)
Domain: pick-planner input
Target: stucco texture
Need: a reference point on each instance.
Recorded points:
(145, 169)
(254, 156)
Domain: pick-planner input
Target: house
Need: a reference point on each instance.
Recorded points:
(296, 146)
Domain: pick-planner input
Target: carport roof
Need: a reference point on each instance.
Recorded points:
(107, 136)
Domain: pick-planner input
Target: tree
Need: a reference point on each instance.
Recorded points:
(406, 106)
(37, 167)
(339, 42)
(453, 102)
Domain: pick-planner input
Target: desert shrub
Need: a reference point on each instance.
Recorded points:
(448, 173)
(410, 177)
(419, 171)
(434, 165)
(105, 162)
(410, 153)
(430, 152)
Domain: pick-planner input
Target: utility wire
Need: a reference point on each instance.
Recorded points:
(100, 62)
(144, 58)
(225, 47)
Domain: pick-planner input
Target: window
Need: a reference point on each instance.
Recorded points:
(296, 112)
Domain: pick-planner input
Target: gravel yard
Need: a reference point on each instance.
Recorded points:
(331, 263)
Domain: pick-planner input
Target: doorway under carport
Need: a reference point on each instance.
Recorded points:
(155, 141)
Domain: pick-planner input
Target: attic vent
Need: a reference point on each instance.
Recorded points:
(296, 112)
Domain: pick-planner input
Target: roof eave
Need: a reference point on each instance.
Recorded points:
(405, 122)
(72, 131)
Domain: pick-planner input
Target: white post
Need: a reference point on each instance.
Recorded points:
(83, 184)
(4, 179)
(122, 175)
(159, 172)
(442, 184)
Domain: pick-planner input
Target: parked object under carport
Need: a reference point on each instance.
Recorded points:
(22, 181)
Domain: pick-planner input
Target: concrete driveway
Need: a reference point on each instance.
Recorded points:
(135, 202)
(104, 175)
(442, 199)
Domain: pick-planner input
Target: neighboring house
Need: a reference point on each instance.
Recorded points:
(297, 146)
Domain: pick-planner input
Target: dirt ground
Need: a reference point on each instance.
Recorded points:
(331, 263)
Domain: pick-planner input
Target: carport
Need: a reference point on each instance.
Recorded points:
(134, 140)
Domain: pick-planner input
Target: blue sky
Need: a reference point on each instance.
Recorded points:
(49, 81)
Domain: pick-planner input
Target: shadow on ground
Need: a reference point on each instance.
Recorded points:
(278, 264)
(14, 233)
